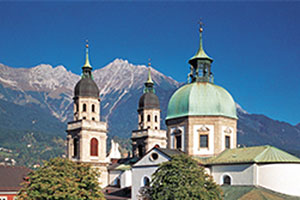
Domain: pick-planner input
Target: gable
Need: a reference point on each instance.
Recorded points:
(153, 157)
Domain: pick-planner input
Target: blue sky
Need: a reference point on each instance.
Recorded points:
(255, 45)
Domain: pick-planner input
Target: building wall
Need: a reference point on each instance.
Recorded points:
(280, 177)
(88, 114)
(152, 124)
(113, 175)
(144, 168)
(240, 174)
(8, 195)
(147, 139)
(85, 131)
(102, 169)
(217, 128)
(138, 175)
(216, 124)
(86, 137)
(124, 176)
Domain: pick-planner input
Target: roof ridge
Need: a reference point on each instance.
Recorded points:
(256, 159)
(275, 153)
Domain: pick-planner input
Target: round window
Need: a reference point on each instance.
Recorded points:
(154, 156)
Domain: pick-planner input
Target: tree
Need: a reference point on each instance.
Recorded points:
(62, 179)
(182, 178)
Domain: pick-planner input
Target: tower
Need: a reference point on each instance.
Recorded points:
(86, 139)
(148, 134)
(201, 117)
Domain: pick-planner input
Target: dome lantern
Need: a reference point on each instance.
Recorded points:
(201, 63)
(201, 97)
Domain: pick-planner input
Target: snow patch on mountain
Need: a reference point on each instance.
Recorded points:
(240, 109)
(116, 82)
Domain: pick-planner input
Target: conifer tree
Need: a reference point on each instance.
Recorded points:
(181, 178)
(62, 179)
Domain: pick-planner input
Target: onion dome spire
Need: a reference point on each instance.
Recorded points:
(87, 62)
(149, 74)
(149, 83)
(200, 53)
(201, 63)
(86, 87)
(87, 68)
(149, 100)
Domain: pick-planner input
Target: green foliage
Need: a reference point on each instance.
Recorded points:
(30, 147)
(62, 179)
(182, 178)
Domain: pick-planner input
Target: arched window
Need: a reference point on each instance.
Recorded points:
(75, 147)
(94, 147)
(84, 107)
(155, 118)
(148, 118)
(93, 108)
(178, 139)
(142, 118)
(146, 181)
(77, 107)
(93, 118)
(226, 180)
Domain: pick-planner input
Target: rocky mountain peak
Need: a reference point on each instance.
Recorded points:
(49, 90)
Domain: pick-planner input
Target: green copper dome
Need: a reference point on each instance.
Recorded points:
(201, 99)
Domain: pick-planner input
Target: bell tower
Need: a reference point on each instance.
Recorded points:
(86, 139)
(149, 133)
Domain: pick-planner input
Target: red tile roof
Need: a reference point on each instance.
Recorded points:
(11, 177)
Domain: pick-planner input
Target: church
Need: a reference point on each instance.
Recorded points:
(201, 122)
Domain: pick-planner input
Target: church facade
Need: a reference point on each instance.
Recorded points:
(201, 122)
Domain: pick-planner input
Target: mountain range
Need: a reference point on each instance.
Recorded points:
(36, 104)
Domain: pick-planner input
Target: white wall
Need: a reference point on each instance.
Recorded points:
(240, 174)
(124, 176)
(138, 175)
(113, 175)
(280, 177)
(144, 168)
